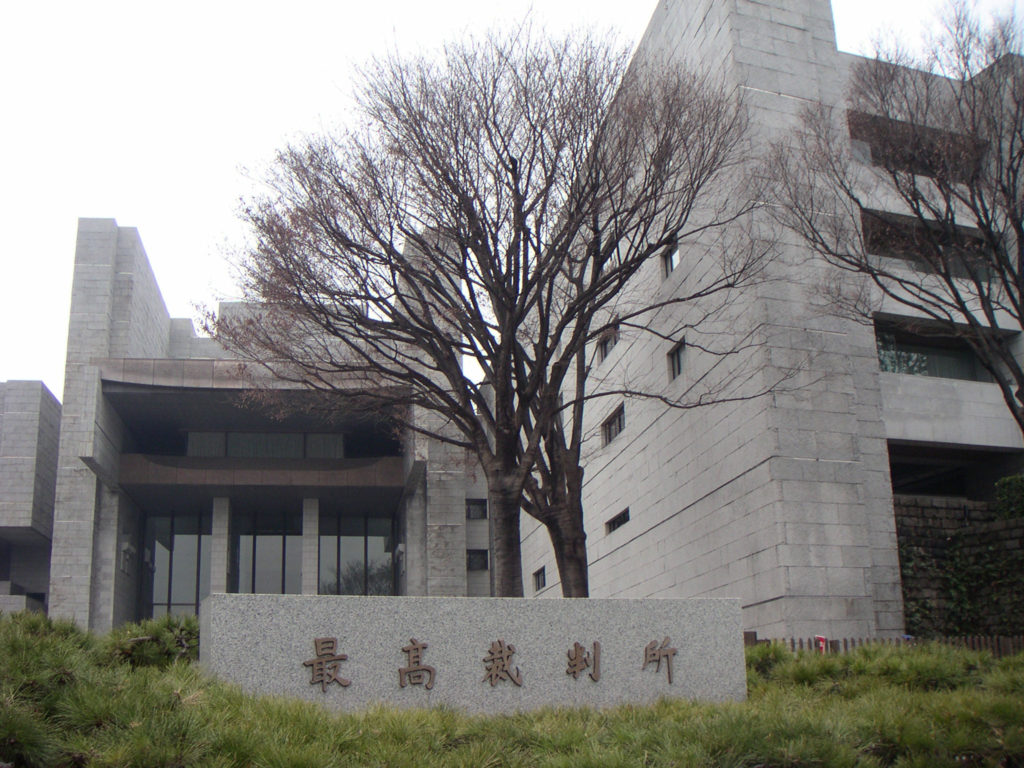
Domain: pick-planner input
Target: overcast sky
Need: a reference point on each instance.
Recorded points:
(160, 114)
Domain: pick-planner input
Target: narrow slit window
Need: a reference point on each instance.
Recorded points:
(540, 579)
(613, 425)
(606, 343)
(670, 261)
(675, 361)
(617, 522)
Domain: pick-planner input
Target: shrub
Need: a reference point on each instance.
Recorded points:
(154, 642)
(764, 657)
(1010, 496)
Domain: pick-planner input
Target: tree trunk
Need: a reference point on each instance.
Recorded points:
(570, 545)
(507, 566)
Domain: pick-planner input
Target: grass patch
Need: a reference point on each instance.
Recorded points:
(133, 698)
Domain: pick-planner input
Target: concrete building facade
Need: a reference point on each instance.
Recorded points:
(29, 427)
(166, 486)
(786, 500)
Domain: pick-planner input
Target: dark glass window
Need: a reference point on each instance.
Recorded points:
(539, 579)
(675, 360)
(325, 446)
(607, 343)
(960, 252)
(266, 445)
(177, 555)
(670, 261)
(476, 509)
(613, 425)
(902, 351)
(206, 444)
(266, 548)
(901, 146)
(618, 521)
(356, 554)
(476, 559)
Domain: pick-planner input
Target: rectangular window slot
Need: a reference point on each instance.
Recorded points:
(476, 559)
(613, 426)
(606, 343)
(670, 261)
(539, 579)
(476, 509)
(617, 522)
(675, 360)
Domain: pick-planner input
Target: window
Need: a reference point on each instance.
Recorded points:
(670, 261)
(675, 361)
(617, 522)
(266, 445)
(206, 444)
(938, 247)
(613, 425)
(476, 559)
(900, 350)
(606, 343)
(539, 579)
(356, 554)
(176, 553)
(901, 146)
(266, 552)
(476, 509)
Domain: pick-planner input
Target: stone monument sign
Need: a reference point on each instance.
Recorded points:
(475, 654)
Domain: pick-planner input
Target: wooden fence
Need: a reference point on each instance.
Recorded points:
(998, 646)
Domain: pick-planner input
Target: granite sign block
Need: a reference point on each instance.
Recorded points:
(485, 655)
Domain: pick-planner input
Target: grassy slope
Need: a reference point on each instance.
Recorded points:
(69, 699)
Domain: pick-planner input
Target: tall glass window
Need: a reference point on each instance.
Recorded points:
(266, 552)
(356, 554)
(177, 553)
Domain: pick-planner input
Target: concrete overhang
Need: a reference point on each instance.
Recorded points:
(182, 482)
(927, 410)
(182, 409)
(383, 472)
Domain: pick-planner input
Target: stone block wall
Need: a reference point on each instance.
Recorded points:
(782, 500)
(962, 566)
(29, 427)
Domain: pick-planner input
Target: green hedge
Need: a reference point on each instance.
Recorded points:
(68, 699)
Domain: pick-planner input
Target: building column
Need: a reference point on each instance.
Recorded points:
(310, 546)
(219, 544)
(105, 559)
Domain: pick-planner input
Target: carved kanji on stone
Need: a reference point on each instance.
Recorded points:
(417, 673)
(656, 653)
(498, 663)
(580, 659)
(327, 664)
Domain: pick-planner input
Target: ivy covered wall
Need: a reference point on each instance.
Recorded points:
(962, 566)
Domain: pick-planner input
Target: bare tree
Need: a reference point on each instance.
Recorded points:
(917, 186)
(451, 258)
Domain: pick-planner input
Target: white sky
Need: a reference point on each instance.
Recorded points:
(150, 113)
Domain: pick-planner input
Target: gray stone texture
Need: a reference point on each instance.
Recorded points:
(120, 332)
(261, 641)
(782, 501)
(29, 431)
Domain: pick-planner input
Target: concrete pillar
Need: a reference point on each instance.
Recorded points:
(219, 544)
(104, 559)
(310, 546)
